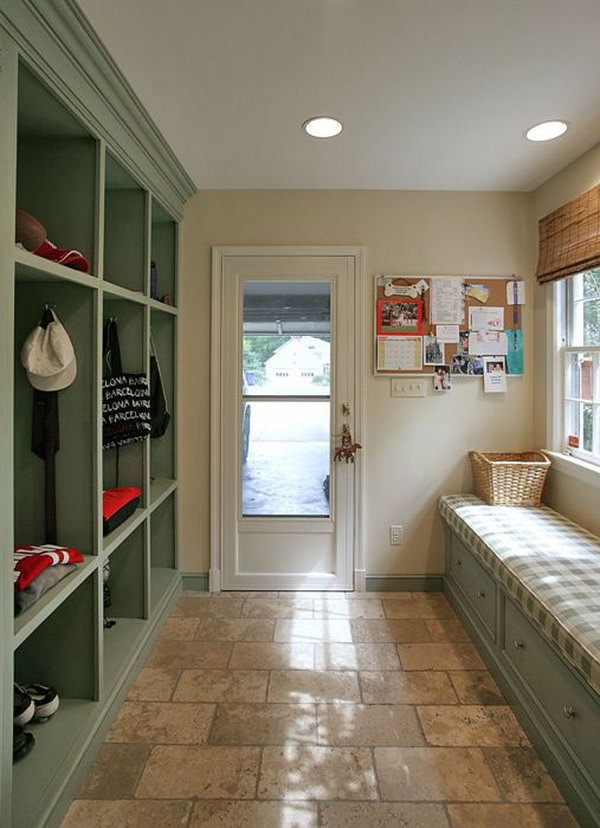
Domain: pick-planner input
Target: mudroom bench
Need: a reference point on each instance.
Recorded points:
(526, 582)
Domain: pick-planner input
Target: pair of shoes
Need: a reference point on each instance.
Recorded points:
(36, 701)
(22, 743)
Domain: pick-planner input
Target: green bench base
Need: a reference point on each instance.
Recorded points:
(558, 710)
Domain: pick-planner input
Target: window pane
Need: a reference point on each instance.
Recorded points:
(580, 380)
(573, 424)
(286, 343)
(287, 464)
(588, 427)
(591, 322)
(591, 284)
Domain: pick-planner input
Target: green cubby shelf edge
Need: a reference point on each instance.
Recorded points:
(160, 489)
(115, 538)
(30, 267)
(30, 620)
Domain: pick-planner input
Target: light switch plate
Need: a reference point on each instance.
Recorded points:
(407, 387)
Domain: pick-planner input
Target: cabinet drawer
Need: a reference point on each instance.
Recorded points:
(574, 710)
(476, 584)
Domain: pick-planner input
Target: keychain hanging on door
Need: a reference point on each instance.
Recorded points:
(348, 449)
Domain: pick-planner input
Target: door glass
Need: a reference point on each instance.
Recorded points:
(286, 338)
(286, 468)
(285, 442)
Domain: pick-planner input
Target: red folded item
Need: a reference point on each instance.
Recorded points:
(69, 258)
(29, 561)
(115, 499)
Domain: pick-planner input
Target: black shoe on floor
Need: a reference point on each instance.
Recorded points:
(22, 743)
(45, 699)
(23, 706)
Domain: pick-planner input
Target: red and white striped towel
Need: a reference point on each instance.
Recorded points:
(29, 561)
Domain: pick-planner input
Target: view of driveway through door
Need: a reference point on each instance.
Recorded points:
(287, 364)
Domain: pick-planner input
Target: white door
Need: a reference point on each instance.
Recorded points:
(285, 355)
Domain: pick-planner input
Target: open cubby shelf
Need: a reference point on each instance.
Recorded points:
(104, 199)
(57, 167)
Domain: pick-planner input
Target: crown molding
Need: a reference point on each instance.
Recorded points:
(57, 41)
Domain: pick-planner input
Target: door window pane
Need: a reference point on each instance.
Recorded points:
(286, 338)
(285, 471)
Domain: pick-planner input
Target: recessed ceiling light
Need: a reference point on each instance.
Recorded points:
(322, 126)
(546, 131)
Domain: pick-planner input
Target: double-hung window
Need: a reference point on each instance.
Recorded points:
(580, 356)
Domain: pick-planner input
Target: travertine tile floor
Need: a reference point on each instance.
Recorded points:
(298, 710)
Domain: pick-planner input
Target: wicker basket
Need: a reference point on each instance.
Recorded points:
(509, 478)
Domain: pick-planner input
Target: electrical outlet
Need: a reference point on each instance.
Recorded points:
(407, 387)
(396, 533)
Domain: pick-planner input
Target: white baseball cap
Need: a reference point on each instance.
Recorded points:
(49, 358)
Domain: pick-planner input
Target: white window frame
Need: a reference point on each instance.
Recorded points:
(572, 462)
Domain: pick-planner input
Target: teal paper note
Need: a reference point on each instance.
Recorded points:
(514, 357)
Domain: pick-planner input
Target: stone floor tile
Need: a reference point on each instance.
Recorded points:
(89, 813)
(278, 608)
(382, 815)
(313, 686)
(264, 724)
(222, 686)
(388, 595)
(162, 722)
(272, 655)
(507, 816)
(235, 814)
(189, 655)
(235, 629)
(179, 628)
(521, 776)
(390, 687)
(266, 594)
(363, 656)
(303, 772)
(419, 608)
(432, 774)
(366, 630)
(471, 725)
(439, 657)
(153, 684)
(310, 631)
(210, 607)
(368, 724)
(447, 629)
(476, 687)
(353, 608)
(115, 772)
(205, 772)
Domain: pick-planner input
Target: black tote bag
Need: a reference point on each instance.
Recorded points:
(160, 415)
(125, 397)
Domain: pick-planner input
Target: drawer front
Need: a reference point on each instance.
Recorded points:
(477, 585)
(574, 711)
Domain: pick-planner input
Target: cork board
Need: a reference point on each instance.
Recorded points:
(403, 324)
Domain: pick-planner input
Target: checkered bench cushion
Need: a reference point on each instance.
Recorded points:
(548, 564)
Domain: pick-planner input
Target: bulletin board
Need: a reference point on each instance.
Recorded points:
(407, 314)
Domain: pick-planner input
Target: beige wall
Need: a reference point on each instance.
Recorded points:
(572, 497)
(414, 449)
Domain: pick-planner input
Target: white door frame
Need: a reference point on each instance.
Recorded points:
(216, 388)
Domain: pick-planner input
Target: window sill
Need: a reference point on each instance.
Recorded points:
(578, 469)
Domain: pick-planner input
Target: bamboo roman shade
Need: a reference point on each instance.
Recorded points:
(569, 238)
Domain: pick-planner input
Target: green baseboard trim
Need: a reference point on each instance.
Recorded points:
(375, 583)
(107, 711)
(195, 580)
(405, 583)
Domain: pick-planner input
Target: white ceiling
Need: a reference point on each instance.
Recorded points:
(434, 94)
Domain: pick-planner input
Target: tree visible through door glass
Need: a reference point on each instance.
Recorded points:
(286, 439)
